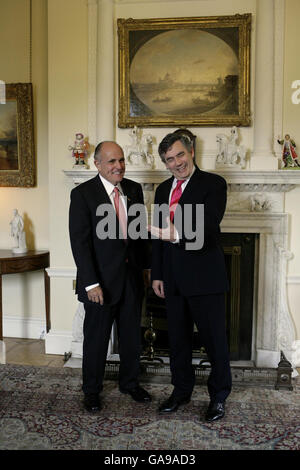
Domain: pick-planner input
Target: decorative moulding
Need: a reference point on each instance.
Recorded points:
(62, 272)
(238, 180)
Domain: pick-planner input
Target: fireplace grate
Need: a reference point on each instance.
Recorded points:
(160, 373)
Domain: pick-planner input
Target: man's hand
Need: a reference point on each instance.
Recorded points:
(96, 295)
(147, 277)
(167, 234)
(158, 287)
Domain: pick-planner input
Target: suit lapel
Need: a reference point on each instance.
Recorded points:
(194, 186)
(131, 199)
(127, 192)
(166, 190)
(195, 183)
(101, 195)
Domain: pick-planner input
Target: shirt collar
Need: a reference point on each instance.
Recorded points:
(185, 181)
(108, 186)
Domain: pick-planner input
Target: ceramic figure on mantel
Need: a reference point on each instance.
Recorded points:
(289, 154)
(17, 232)
(79, 150)
(139, 153)
(230, 154)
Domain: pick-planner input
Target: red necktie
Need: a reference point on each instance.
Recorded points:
(121, 214)
(176, 195)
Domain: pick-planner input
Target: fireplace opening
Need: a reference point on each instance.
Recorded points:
(239, 251)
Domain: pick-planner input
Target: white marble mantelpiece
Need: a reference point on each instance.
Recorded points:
(273, 328)
(237, 180)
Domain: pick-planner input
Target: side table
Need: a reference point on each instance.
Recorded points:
(11, 263)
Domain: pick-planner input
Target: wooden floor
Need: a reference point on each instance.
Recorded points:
(30, 352)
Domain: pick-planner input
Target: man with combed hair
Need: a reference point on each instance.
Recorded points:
(191, 279)
(109, 273)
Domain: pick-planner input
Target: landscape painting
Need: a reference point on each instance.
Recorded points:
(184, 71)
(17, 155)
(8, 136)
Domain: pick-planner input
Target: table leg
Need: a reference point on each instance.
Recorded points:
(1, 329)
(47, 300)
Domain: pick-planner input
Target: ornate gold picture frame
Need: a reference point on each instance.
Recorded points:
(17, 156)
(184, 71)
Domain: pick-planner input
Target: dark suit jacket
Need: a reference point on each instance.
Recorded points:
(103, 261)
(193, 272)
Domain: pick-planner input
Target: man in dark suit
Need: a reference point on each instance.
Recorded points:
(109, 272)
(190, 273)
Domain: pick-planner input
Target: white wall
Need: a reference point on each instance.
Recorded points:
(23, 295)
(67, 108)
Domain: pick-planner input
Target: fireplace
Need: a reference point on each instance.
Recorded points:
(239, 251)
(255, 210)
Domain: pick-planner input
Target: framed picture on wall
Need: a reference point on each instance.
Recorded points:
(17, 156)
(184, 71)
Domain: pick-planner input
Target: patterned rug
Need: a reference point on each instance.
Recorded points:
(41, 409)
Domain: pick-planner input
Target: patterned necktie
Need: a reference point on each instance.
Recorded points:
(176, 195)
(121, 214)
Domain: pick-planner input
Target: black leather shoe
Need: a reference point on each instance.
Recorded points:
(92, 402)
(173, 403)
(216, 410)
(138, 394)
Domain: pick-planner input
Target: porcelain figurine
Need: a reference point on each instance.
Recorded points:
(17, 232)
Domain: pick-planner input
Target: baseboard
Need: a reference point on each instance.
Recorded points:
(2, 352)
(20, 327)
(62, 272)
(58, 342)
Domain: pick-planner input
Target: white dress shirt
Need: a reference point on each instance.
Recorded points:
(183, 186)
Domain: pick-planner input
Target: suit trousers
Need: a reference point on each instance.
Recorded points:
(97, 328)
(208, 313)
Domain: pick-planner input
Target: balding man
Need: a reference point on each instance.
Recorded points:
(109, 273)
